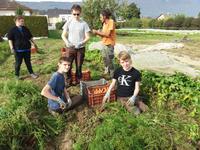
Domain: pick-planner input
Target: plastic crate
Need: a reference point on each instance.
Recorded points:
(94, 91)
(64, 52)
(85, 75)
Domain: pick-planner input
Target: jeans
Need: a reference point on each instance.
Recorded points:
(108, 55)
(19, 56)
(78, 55)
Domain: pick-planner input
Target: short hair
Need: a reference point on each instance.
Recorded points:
(18, 18)
(106, 12)
(64, 59)
(76, 7)
(123, 55)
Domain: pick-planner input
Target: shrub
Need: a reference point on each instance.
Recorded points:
(59, 25)
(37, 25)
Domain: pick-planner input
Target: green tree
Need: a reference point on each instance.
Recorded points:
(127, 11)
(187, 22)
(199, 15)
(92, 9)
(19, 11)
(179, 20)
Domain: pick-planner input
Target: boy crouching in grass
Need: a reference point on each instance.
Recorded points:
(127, 79)
(55, 91)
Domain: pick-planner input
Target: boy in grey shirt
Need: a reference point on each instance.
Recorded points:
(75, 35)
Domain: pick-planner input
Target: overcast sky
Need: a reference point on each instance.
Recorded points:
(50, 0)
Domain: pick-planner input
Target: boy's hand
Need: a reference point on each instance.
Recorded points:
(131, 100)
(62, 103)
(69, 44)
(79, 45)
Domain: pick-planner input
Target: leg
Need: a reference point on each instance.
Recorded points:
(142, 106)
(110, 60)
(104, 53)
(18, 62)
(70, 53)
(27, 59)
(76, 100)
(79, 62)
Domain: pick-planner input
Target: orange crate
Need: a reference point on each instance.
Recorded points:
(64, 52)
(85, 75)
(94, 91)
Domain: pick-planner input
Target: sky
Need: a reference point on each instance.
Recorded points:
(49, 0)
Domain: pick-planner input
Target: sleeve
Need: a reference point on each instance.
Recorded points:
(115, 75)
(87, 29)
(29, 33)
(10, 35)
(52, 81)
(138, 77)
(66, 25)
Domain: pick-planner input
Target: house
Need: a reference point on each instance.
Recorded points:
(163, 16)
(57, 15)
(8, 8)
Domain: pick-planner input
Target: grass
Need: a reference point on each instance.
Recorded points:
(172, 122)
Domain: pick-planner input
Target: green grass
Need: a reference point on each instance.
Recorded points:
(172, 121)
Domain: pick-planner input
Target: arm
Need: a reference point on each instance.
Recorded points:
(107, 95)
(33, 42)
(11, 46)
(87, 37)
(69, 101)
(64, 36)
(102, 34)
(136, 92)
(46, 92)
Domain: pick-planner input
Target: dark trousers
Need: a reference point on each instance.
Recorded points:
(77, 55)
(19, 56)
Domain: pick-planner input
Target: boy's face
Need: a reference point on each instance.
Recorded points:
(76, 14)
(64, 66)
(126, 64)
(19, 22)
(102, 18)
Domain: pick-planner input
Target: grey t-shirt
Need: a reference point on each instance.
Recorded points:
(76, 30)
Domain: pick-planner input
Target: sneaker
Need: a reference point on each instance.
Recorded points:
(106, 71)
(34, 76)
(17, 77)
(137, 111)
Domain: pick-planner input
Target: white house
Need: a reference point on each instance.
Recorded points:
(8, 8)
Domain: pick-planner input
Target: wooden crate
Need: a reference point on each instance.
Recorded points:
(94, 91)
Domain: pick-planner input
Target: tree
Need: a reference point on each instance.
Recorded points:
(179, 20)
(19, 11)
(199, 15)
(127, 11)
(93, 8)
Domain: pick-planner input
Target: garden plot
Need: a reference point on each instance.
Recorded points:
(154, 57)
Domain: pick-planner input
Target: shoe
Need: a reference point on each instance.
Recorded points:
(137, 111)
(34, 76)
(106, 71)
(17, 77)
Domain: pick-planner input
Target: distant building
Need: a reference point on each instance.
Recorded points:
(8, 8)
(163, 16)
(57, 15)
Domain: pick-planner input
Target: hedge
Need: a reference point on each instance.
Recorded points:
(37, 24)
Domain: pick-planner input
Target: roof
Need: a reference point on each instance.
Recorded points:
(12, 5)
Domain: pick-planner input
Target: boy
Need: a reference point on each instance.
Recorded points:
(55, 91)
(108, 36)
(128, 80)
(75, 35)
(20, 40)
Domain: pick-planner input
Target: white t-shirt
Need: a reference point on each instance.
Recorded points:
(76, 30)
